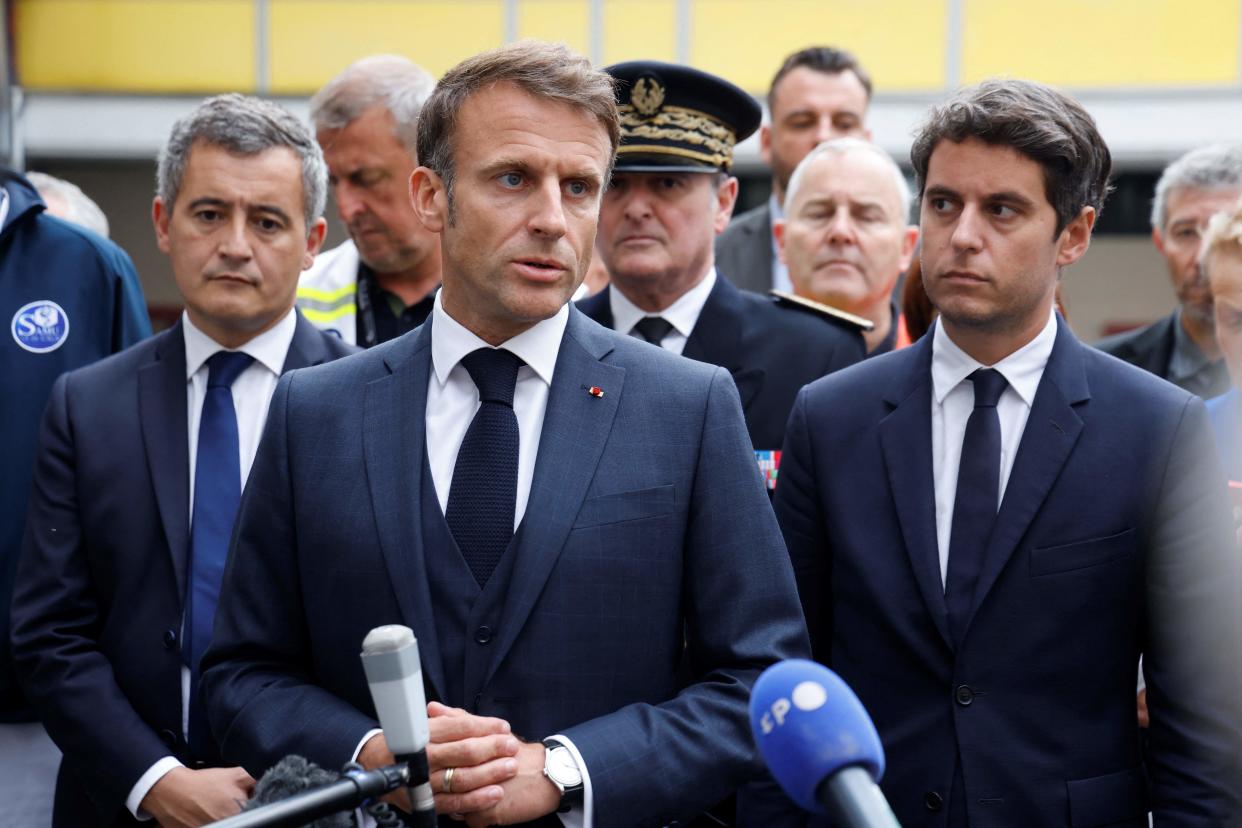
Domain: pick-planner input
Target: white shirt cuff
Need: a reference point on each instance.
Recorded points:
(145, 783)
(366, 738)
(583, 817)
(361, 817)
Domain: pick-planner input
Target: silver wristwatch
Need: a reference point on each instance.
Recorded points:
(563, 771)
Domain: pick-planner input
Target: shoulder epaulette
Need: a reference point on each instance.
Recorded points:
(780, 297)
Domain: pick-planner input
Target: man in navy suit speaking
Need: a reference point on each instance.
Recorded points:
(561, 513)
(990, 527)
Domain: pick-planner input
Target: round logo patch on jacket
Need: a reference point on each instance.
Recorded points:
(40, 326)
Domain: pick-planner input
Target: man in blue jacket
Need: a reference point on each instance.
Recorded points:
(67, 298)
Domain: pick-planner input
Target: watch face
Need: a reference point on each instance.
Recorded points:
(562, 768)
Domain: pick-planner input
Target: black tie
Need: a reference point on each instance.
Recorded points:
(653, 329)
(483, 494)
(974, 509)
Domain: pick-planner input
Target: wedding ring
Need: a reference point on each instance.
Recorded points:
(446, 784)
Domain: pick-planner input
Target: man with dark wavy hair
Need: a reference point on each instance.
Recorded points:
(990, 527)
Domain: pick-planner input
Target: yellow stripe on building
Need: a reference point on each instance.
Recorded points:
(562, 21)
(1103, 43)
(640, 30)
(312, 40)
(170, 46)
(900, 42)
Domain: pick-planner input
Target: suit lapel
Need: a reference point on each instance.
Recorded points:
(165, 436)
(307, 347)
(905, 440)
(575, 429)
(718, 339)
(394, 428)
(1052, 429)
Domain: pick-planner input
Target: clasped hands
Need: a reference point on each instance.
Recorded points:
(493, 778)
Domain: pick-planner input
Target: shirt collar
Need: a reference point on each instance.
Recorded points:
(1022, 369)
(537, 346)
(269, 348)
(4, 206)
(682, 314)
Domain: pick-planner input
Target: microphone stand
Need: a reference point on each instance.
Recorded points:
(351, 791)
(418, 783)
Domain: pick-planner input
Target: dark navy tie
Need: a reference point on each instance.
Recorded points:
(974, 509)
(653, 329)
(483, 494)
(217, 491)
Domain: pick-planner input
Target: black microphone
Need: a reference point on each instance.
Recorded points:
(315, 793)
(291, 776)
(395, 677)
(819, 743)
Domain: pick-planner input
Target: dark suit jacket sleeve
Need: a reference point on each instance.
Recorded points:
(741, 615)
(1194, 684)
(56, 619)
(797, 510)
(257, 681)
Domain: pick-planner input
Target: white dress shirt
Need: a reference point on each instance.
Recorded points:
(682, 314)
(780, 271)
(252, 394)
(953, 400)
(453, 399)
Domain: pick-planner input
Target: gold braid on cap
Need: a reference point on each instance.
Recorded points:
(677, 123)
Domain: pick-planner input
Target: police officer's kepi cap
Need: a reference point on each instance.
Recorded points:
(678, 119)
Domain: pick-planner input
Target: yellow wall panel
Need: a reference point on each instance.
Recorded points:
(136, 45)
(640, 30)
(563, 21)
(313, 40)
(900, 42)
(1101, 43)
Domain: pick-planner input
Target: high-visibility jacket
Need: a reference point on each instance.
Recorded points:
(328, 292)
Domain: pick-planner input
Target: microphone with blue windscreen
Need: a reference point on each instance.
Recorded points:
(819, 743)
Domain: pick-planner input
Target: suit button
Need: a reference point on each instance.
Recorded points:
(963, 695)
(933, 801)
(483, 634)
(168, 737)
(170, 639)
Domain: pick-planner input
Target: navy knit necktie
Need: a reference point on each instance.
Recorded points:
(483, 494)
(653, 329)
(217, 492)
(974, 509)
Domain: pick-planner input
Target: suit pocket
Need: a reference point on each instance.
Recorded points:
(1081, 554)
(1111, 799)
(622, 506)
